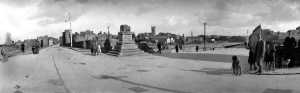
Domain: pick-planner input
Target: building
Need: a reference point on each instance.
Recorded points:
(147, 36)
(153, 32)
(44, 41)
(66, 37)
(295, 33)
(83, 39)
(124, 27)
(193, 40)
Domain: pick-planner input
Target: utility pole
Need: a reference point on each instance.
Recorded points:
(204, 24)
(71, 32)
(68, 19)
(107, 31)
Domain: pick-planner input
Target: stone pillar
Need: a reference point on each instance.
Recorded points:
(126, 45)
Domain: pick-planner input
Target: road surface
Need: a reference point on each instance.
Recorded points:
(62, 70)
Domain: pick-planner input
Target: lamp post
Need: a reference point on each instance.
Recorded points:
(204, 24)
(108, 28)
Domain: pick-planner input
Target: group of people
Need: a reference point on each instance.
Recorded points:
(96, 49)
(263, 57)
(266, 54)
(290, 45)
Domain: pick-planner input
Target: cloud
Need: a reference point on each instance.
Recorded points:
(144, 9)
(178, 16)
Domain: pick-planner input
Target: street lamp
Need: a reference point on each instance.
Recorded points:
(204, 24)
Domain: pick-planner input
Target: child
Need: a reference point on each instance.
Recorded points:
(98, 49)
(236, 68)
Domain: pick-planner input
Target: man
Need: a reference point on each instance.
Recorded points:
(23, 47)
(197, 48)
(93, 48)
(159, 47)
(270, 55)
(251, 60)
(177, 48)
(259, 53)
(35, 47)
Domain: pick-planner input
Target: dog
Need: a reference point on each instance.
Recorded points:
(236, 67)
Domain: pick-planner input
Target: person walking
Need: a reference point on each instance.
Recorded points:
(159, 47)
(197, 48)
(260, 55)
(23, 47)
(177, 48)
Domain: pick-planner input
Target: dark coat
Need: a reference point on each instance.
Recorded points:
(260, 50)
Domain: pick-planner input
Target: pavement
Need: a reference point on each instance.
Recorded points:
(62, 70)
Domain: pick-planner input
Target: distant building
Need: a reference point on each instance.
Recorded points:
(153, 32)
(193, 40)
(66, 37)
(144, 36)
(295, 33)
(147, 36)
(124, 27)
(8, 40)
(29, 43)
(85, 38)
(44, 41)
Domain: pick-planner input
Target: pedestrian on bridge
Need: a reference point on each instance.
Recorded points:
(177, 48)
(3, 53)
(23, 47)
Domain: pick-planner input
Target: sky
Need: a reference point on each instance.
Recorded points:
(26, 19)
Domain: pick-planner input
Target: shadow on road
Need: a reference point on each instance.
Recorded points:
(223, 71)
(269, 90)
(213, 71)
(279, 74)
(119, 78)
(204, 57)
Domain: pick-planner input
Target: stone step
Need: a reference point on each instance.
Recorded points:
(129, 46)
(131, 50)
(113, 53)
(132, 53)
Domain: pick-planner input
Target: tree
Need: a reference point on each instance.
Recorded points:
(107, 46)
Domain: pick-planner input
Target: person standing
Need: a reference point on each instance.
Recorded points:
(176, 48)
(98, 49)
(23, 47)
(159, 47)
(260, 55)
(197, 48)
(3, 53)
(270, 55)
